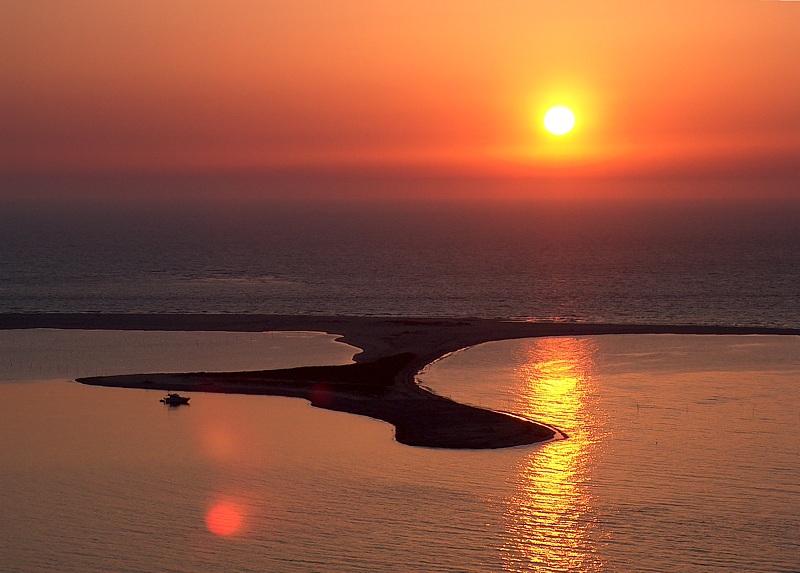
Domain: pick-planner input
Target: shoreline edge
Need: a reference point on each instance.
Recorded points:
(381, 383)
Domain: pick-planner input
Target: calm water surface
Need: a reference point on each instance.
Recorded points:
(683, 451)
(682, 456)
(650, 263)
(48, 354)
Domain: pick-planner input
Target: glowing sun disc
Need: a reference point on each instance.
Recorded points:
(559, 120)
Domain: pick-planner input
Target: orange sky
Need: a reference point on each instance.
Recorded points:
(676, 91)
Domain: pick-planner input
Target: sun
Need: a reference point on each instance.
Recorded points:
(559, 120)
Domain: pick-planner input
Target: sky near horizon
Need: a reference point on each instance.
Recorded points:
(672, 92)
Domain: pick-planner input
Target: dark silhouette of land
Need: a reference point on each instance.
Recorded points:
(381, 383)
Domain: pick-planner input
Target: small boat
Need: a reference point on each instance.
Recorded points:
(174, 400)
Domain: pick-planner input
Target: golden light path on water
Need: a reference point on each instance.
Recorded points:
(549, 520)
(106, 479)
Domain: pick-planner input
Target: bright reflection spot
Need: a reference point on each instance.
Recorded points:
(224, 518)
(549, 520)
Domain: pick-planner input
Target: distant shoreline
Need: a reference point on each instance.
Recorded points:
(381, 384)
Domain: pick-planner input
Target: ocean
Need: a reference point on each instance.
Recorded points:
(681, 451)
(682, 455)
(700, 263)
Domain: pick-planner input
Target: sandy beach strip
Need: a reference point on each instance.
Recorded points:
(381, 384)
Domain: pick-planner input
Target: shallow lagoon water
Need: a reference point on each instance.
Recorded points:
(682, 455)
(683, 451)
(50, 354)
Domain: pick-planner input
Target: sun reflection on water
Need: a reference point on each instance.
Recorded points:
(550, 521)
(225, 518)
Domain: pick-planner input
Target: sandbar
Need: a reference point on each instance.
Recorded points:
(381, 383)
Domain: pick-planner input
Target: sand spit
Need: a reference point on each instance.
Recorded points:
(381, 383)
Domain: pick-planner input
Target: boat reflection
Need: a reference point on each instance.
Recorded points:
(550, 522)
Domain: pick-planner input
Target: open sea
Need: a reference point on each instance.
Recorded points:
(682, 455)
(703, 263)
